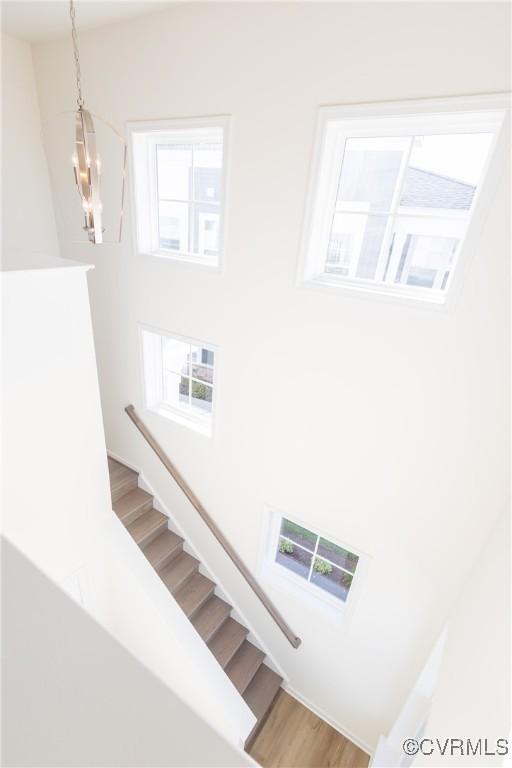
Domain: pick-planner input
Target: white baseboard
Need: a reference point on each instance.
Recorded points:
(323, 716)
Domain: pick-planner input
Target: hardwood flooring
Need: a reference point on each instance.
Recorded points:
(293, 737)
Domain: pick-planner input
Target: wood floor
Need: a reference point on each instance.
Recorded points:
(293, 737)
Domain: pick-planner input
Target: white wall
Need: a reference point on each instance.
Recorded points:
(72, 696)
(383, 425)
(56, 495)
(472, 698)
(28, 223)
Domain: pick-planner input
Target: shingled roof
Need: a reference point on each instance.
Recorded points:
(424, 189)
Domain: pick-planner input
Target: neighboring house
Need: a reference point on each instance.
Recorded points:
(414, 252)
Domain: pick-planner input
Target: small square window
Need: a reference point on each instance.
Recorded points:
(179, 378)
(317, 561)
(393, 193)
(178, 188)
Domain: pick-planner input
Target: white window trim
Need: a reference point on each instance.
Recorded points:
(416, 113)
(275, 574)
(204, 425)
(163, 126)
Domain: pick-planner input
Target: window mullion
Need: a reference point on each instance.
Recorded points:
(313, 558)
(380, 273)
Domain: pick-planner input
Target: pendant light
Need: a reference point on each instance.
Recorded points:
(86, 160)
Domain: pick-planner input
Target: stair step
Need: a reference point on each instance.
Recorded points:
(194, 594)
(211, 617)
(179, 571)
(163, 549)
(122, 479)
(132, 505)
(244, 665)
(226, 642)
(147, 527)
(260, 694)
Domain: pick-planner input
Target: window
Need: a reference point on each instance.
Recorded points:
(319, 562)
(178, 188)
(393, 194)
(179, 378)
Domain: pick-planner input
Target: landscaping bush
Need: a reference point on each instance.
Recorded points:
(285, 547)
(321, 566)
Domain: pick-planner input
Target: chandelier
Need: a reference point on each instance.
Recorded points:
(86, 160)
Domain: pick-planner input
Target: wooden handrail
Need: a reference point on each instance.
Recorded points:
(232, 554)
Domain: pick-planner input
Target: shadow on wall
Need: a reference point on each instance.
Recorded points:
(72, 696)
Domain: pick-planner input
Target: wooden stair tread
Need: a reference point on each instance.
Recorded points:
(147, 527)
(262, 690)
(210, 617)
(244, 665)
(163, 549)
(115, 468)
(226, 642)
(179, 571)
(122, 479)
(132, 505)
(194, 593)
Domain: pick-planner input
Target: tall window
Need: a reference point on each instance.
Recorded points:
(393, 195)
(179, 172)
(179, 378)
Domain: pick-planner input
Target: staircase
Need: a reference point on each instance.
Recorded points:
(195, 594)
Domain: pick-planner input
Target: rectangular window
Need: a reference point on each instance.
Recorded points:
(393, 193)
(178, 188)
(318, 561)
(179, 378)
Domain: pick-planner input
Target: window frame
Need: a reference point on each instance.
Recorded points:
(201, 424)
(302, 589)
(144, 185)
(423, 117)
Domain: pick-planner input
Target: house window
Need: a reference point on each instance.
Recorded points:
(179, 378)
(314, 559)
(178, 188)
(394, 190)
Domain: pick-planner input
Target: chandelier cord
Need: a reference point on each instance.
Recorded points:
(76, 54)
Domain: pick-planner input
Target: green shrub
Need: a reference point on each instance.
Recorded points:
(200, 391)
(285, 547)
(321, 566)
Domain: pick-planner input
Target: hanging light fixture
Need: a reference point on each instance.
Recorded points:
(86, 160)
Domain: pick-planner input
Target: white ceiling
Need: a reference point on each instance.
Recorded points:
(36, 20)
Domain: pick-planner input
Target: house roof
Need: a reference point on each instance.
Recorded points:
(424, 189)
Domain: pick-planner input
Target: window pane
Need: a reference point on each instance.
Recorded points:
(423, 260)
(338, 555)
(206, 224)
(444, 170)
(297, 533)
(330, 578)
(208, 172)
(202, 395)
(202, 373)
(175, 355)
(173, 226)
(174, 170)
(293, 557)
(355, 245)
(176, 389)
(369, 173)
